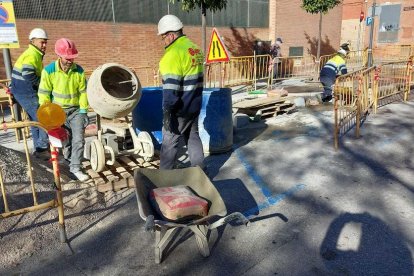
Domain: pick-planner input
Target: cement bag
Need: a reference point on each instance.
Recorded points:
(178, 203)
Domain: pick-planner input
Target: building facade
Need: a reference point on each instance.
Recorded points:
(121, 35)
(300, 30)
(393, 23)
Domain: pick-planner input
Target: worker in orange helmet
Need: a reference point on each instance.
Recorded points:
(63, 82)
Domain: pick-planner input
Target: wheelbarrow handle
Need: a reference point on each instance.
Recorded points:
(239, 217)
(149, 224)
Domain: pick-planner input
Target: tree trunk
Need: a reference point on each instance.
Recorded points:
(320, 36)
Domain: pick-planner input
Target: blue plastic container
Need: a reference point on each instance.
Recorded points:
(147, 115)
(215, 122)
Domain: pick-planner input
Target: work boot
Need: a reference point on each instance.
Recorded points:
(327, 99)
(42, 153)
(80, 175)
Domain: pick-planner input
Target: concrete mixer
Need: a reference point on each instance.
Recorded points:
(113, 91)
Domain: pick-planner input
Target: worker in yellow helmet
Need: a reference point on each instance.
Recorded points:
(63, 82)
(24, 85)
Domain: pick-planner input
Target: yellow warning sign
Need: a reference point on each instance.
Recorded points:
(8, 32)
(216, 51)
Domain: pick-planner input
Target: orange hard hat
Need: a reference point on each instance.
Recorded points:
(66, 48)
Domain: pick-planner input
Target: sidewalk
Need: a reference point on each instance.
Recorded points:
(314, 210)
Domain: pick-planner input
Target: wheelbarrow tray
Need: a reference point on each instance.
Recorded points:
(195, 178)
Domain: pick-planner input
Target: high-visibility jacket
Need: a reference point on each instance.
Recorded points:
(181, 68)
(27, 70)
(334, 67)
(67, 89)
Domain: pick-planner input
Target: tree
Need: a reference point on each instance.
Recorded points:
(321, 7)
(204, 5)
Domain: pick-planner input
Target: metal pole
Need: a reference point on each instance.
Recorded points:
(16, 107)
(203, 26)
(248, 13)
(113, 11)
(7, 62)
(359, 37)
(371, 35)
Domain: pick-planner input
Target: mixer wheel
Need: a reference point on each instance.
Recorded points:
(97, 156)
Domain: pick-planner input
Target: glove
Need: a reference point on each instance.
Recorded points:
(85, 118)
(166, 119)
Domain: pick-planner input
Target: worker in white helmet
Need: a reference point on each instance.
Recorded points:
(334, 67)
(182, 73)
(25, 82)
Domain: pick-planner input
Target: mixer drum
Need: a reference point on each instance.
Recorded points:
(113, 90)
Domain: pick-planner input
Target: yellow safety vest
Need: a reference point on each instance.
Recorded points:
(67, 89)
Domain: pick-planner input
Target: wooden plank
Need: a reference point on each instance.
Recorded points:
(128, 161)
(259, 102)
(96, 177)
(287, 110)
(121, 170)
(110, 176)
(119, 175)
(116, 185)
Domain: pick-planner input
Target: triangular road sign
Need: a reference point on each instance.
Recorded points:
(217, 52)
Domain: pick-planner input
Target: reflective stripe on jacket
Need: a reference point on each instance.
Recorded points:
(65, 89)
(181, 68)
(335, 66)
(27, 70)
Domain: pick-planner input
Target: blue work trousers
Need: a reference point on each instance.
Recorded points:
(30, 103)
(327, 83)
(188, 129)
(75, 123)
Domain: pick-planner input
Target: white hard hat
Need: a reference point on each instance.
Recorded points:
(169, 23)
(342, 51)
(38, 33)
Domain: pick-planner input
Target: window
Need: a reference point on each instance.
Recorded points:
(295, 51)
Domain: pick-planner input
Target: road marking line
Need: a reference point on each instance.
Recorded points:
(258, 180)
(254, 175)
(271, 201)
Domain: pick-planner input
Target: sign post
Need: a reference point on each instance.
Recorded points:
(371, 34)
(217, 52)
(9, 39)
(8, 32)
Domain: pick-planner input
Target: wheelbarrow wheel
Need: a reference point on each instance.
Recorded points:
(97, 156)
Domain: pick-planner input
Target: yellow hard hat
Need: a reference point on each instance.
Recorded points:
(51, 115)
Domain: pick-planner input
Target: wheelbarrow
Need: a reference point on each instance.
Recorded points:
(197, 180)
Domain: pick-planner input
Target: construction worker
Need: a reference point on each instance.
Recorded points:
(334, 67)
(24, 85)
(276, 53)
(63, 82)
(181, 68)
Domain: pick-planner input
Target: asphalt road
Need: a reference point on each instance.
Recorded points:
(313, 210)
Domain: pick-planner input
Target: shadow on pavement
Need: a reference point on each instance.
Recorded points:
(361, 244)
(241, 137)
